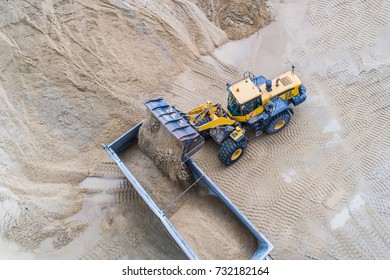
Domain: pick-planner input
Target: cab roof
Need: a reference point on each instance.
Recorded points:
(246, 90)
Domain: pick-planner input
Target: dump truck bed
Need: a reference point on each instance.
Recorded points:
(203, 222)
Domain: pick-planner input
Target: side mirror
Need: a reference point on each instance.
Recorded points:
(227, 86)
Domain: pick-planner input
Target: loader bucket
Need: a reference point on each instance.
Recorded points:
(173, 121)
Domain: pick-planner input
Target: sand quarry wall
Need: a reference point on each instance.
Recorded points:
(74, 74)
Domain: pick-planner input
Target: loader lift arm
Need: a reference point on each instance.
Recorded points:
(215, 113)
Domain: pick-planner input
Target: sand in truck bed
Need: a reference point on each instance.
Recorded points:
(205, 223)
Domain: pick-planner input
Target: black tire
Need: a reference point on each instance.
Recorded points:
(231, 151)
(206, 133)
(278, 122)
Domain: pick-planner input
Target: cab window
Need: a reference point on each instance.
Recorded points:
(251, 105)
(233, 105)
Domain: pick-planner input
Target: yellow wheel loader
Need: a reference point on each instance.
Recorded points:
(254, 103)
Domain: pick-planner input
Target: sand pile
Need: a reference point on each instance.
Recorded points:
(71, 80)
(237, 18)
(72, 76)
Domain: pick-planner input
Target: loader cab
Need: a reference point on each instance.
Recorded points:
(247, 97)
(244, 99)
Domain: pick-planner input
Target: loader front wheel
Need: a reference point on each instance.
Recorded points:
(278, 122)
(231, 151)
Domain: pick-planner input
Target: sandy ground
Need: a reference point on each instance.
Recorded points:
(73, 76)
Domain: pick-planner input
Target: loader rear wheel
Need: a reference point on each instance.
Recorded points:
(231, 151)
(206, 133)
(278, 122)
